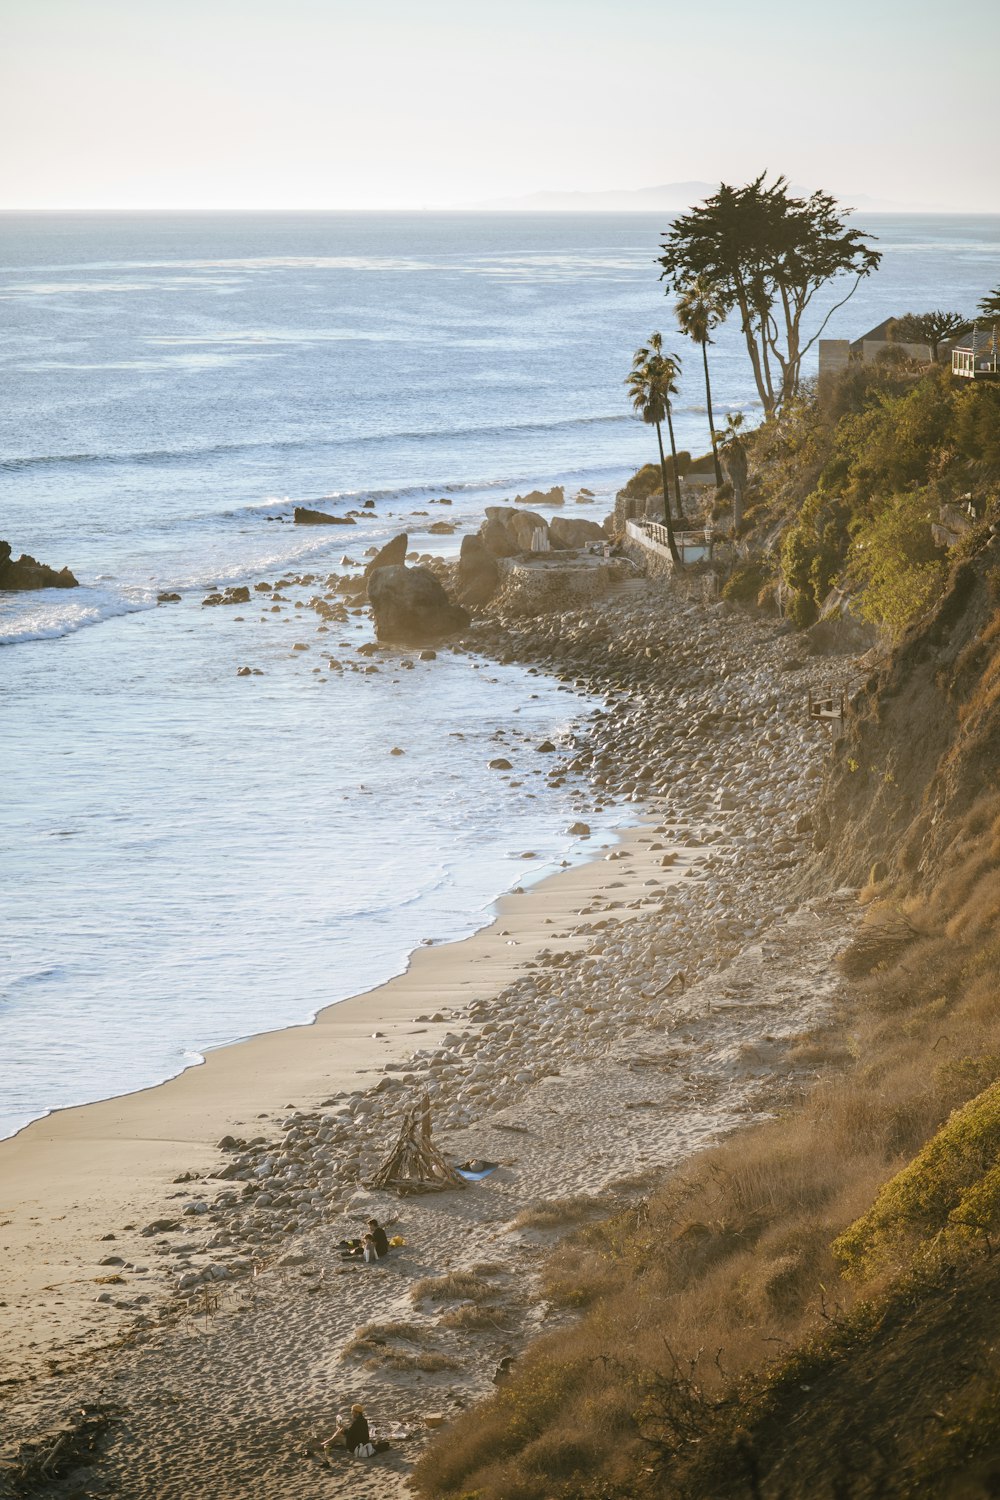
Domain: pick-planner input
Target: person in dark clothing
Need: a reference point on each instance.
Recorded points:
(354, 1434)
(380, 1238)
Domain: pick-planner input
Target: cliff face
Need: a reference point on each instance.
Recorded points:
(917, 774)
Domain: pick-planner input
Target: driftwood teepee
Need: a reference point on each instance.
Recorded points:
(415, 1165)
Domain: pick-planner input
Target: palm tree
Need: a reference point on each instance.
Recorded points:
(651, 382)
(734, 456)
(699, 309)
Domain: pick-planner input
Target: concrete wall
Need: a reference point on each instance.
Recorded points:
(654, 560)
(534, 588)
(834, 354)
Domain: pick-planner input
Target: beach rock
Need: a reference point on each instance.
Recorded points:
(392, 555)
(235, 595)
(478, 576)
(500, 764)
(161, 1226)
(567, 531)
(168, 598)
(495, 537)
(303, 516)
(520, 528)
(410, 605)
(28, 573)
(555, 496)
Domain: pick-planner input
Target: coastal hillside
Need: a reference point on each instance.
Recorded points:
(861, 494)
(813, 1307)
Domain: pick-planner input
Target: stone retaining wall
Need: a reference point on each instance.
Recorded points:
(539, 586)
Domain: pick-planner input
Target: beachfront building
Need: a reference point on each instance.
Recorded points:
(976, 356)
(837, 354)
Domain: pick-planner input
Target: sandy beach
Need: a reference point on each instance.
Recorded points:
(610, 1021)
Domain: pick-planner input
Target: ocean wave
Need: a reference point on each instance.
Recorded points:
(53, 613)
(289, 445)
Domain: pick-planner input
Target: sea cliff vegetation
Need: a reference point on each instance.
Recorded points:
(849, 486)
(813, 1307)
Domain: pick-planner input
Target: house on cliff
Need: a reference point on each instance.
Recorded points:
(976, 355)
(837, 354)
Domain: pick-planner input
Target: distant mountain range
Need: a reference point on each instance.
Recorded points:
(669, 197)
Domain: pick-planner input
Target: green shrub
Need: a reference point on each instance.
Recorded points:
(644, 482)
(953, 1182)
(894, 556)
(745, 582)
(801, 610)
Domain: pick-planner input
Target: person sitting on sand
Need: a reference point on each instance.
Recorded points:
(380, 1237)
(354, 1434)
(370, 1251)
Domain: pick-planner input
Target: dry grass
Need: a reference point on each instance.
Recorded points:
(455, 1286)
(474, 1317)
(734, 1253)
(376, 1336)
(560, 1213)
(427, 1362)
(378, 1345)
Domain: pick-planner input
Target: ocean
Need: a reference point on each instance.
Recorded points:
(190, 857)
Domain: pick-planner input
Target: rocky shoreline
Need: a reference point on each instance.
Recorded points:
(683, 961)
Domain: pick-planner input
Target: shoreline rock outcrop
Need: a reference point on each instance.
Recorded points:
(392, 555)
(26, 572)
(410, 606)
(477, 576)
(555, 496)
(507, 532)
(570, 531)
(304, 516)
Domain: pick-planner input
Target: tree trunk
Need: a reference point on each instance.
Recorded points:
(746, 323)
(673, 454)
(666, 500)
(711, 419)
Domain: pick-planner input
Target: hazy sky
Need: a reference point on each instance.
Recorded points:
(407, 103)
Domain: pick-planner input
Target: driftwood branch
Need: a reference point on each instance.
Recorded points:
(415, 1165)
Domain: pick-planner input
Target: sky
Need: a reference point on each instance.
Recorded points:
(438, 103)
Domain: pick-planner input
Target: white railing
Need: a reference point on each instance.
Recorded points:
(693, 546)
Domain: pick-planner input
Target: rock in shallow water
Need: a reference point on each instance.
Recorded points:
(305, 517)
(410, 605)
(28, 573)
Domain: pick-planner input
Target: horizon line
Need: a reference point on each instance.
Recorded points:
(157, 208)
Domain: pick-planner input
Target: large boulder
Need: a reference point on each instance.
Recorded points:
(478, 576)
(392, 555)
(520, 527)
(567, 531)
(28, 573)
(496, 538)
(305, 517)
(410, 606)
